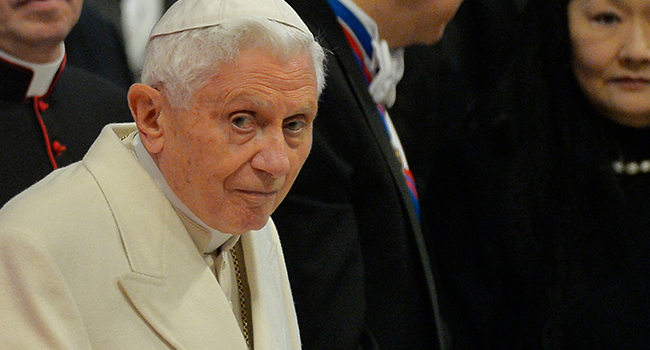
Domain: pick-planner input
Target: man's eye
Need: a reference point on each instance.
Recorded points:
(242, 121)
(295, 125)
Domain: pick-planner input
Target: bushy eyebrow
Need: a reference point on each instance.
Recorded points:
(255, 101)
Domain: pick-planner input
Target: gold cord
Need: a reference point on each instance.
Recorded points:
(242, 298)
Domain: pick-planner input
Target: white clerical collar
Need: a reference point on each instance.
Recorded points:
(44, 73)
(386, 65)
(217, 238)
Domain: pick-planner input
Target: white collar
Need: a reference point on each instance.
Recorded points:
(217, 238)
(386, 65)
(371, 27)
(44, 73)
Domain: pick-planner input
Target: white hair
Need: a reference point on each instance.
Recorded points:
(183, 62)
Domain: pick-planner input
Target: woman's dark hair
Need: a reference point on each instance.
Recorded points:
(538, 111)
(559, 185)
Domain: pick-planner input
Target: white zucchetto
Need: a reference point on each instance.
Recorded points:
(193, 14)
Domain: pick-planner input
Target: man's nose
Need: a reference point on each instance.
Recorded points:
(273, 157)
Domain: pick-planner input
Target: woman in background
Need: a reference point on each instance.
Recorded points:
(542, 209)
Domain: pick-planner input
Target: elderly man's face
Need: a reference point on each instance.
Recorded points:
(29, 28)
(234, 154)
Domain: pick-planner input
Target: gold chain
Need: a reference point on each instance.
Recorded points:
(242, 298)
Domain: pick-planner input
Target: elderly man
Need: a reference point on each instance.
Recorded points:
(160, 238)
(50, 113)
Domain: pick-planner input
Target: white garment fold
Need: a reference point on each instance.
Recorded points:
(275, 323)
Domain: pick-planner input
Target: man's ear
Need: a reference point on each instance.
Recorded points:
(146, 104)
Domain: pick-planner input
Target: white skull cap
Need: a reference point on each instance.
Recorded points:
(192, 14)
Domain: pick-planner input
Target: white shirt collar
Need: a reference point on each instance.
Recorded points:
(217, 238)
(44, 73)
(386, 65)
(371, 27)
